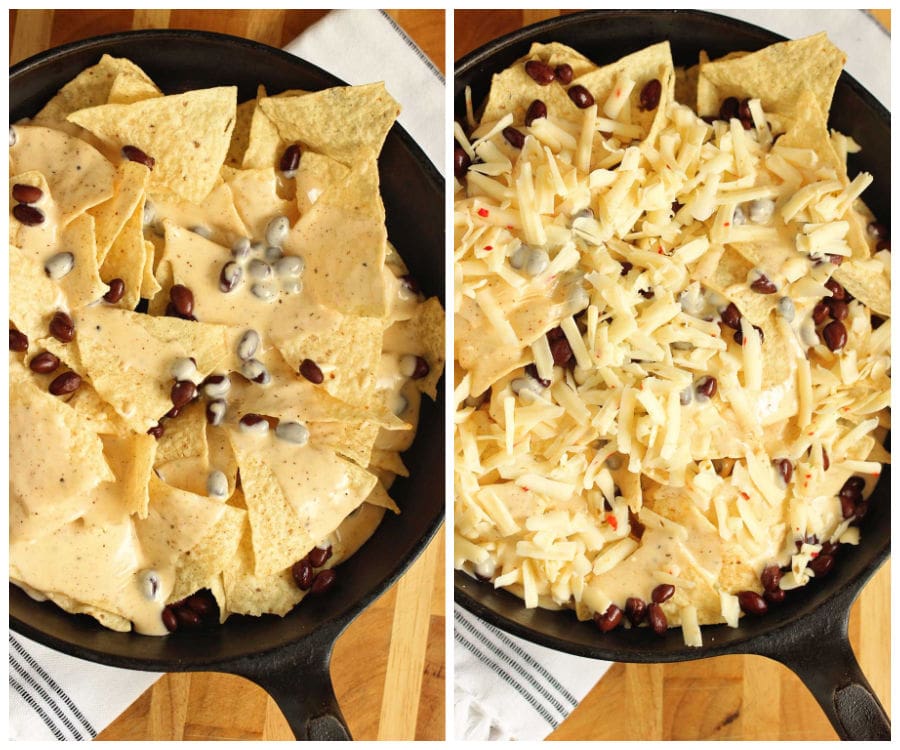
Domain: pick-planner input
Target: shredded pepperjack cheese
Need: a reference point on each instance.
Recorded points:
(647, 390)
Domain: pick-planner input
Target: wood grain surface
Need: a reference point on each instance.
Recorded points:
(729, 697)
(388, 666)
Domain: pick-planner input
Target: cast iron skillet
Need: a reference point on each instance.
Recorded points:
(288, 657)
(809, 632)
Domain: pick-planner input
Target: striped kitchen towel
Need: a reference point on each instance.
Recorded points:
(507, 688)
(54, 696)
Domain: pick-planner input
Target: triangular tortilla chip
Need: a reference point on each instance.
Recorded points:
(340, 122)
(343, 241)
(187, 134)
(776, 75)
(127, 357)
(111, 215)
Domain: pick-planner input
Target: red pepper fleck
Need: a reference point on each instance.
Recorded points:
(727, 224)
(745, 496)
(611, 520)
(809, 476)
(488, 247)
(482, 212)
(618, 92)
(510, 227)
(813, 555)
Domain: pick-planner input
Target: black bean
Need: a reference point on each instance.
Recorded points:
(182, 393)
(187, 618)
(182, 299)
(564, 73)
(27, 193)
(62, 385)
(764, 285)
(853, 488)
(626, 267)
(839, 309)
(820, 312)
(739, 335)
(635, 610)
(28, 215)
(707, 386)
(745, 115)
(729, 108)
(835, 335)
(133, 153)
(290, 160)
(116, 291)
(157, 431)
(514, 137)
(731, 316)
(230, 277)
(169, 619)
(662, 593)
(44, 363)
(62, 327)
(650, 94)
(848, 506)
(785, 468)
(318, 557)
(302, 573)
(837, 291)
(536, 110)
(882, 245)
(770, 577)
(752, 603)
(461, 162)
(646, 293)
(659, 623)
(18, 341)
(580, 96)
(774, 596)
(532, 372)
(561, 351)
(421, 369)
(609, 620)
(323, 581)
(821, 565)
(311, 371)
(540, 72)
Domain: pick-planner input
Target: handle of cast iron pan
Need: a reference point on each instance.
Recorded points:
(299, 681)
(819, 653)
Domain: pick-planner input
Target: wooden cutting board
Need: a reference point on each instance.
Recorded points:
(729, 697)
(388, 667)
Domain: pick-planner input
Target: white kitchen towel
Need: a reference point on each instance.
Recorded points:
(507, 688)
(53, 696)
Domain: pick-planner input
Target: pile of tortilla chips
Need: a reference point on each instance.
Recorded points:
(672, 330)
(121, 500)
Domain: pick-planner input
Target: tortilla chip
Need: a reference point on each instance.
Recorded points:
(187, 134)
(293, 505)
(426, 330)
(185, 438)
(249, 593)
(74, 191)
(128, 88)
(32, 295)
(198, 566)
(62, 451)
(127, 357)
(379, 496)
(868, 281)
(776, 75)
(389, 460)
(131, 459)
(240, 136)
(256, 198)
(111, 216)
(343, 241)
(107, 619)
(91, 88)
(316, 174)
(342, 122)
(126, 259)
(348, 354)
(149, 285)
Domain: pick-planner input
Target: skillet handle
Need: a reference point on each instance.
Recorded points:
(300, 683)
(824, 660)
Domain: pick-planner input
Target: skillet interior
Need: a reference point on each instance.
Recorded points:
(604, 36)
(413, 196)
